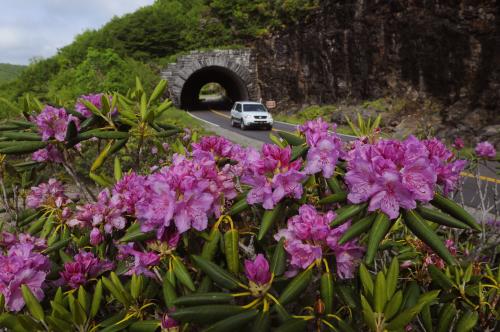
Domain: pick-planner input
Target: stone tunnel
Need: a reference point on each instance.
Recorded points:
(233, 70)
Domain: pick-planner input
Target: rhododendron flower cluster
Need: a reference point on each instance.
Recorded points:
(103, 212)
(85, 266)
(21, 265)
(325, 147)
(53, 123)
(50, 194)
(309, 236)
(273, 176)
(142, 261)
(393, 175)
(186, 193)
(485, 150)
(217, 146)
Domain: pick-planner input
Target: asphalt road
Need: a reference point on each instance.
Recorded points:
(470, 194)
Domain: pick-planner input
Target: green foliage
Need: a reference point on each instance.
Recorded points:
(9, 72)
(100, 71)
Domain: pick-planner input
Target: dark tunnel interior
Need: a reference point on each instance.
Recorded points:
(235, 87)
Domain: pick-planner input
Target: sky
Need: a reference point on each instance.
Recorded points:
(37, 28)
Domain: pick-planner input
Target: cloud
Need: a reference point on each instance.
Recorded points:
(37, 28)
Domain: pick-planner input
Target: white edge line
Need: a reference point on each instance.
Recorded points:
(203, 120)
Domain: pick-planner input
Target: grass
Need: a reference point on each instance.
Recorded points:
(180, 118)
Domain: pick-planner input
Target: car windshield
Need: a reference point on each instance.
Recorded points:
(254, 108)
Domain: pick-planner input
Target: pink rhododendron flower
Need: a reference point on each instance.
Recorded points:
(84, 267)
(485, 150)
(102, 212)
(186, 193)
(7, 240)
(53, 123)
(218, 146)
(142, 261)
(393, 175)
(308, 237)
(324, 147)
(273, 176)
(49, 194)
(96, 236)
(257, 270)
(48, 154)
(22, 266)
(127, 192)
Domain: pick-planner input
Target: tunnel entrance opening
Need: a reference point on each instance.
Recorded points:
(234, 87)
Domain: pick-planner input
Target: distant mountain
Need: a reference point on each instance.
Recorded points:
(9, 72)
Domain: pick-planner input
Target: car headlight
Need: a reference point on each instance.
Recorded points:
(247, 117)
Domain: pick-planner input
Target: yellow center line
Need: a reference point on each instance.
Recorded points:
(464, 174)
(480, 177)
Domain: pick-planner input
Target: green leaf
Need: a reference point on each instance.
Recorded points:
(211, 246)
(392, 277)
(296, 287)
(77, 312)
(446, 317)
(334, 198)
(368, 314)
(182, 273)
(233, 323)
(440, 218)
(83, 299)
(231, 238)
(379, 293)
(291, 138)
(239, 207)
(358, 228)
(158, 91)
(268, 220)
(169, 295)
(379, 230)
(334, 185)
(278, 261)
(262, 323)
(136, 286)
(347, 213)
(117, 169)
(32, 303)
(115, 292)
(144, 326)
(366, 280)
(221, 277)
(402, 319)
(393, 306)
(23, 147)
(96, 300)
(448, 206)
(206, 314)
(22, 135)
(203, 298)
(467, 321)
(326, 291)
(418, 226)
(440, 278)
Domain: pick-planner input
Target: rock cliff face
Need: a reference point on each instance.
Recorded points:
(447, 51)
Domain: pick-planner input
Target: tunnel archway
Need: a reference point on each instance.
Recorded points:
(234, 85)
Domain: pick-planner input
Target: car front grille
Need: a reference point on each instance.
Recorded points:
(260, 117)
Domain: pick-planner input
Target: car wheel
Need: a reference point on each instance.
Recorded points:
(233, 123)
(242, 126)
(270, 127)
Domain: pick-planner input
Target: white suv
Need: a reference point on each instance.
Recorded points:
(247, 114)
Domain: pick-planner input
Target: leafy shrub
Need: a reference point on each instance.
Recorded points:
(299, 236)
